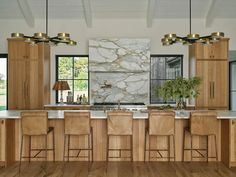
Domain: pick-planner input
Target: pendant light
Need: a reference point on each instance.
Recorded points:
(191, 38)
(43, 37)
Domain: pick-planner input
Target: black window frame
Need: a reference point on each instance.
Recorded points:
(5, 55)
(150, 83)
(57, 59)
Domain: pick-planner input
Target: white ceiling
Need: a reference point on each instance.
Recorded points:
(75, 9)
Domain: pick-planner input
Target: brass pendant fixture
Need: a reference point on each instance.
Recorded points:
(191, 38)
(43, 37)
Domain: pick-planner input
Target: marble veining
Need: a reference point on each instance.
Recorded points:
(126, 87)
(128, 55)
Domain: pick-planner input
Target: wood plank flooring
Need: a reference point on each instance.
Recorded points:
(119, 169)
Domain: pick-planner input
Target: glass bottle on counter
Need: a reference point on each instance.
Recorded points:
(77, 100)
(84, 99)
(69, 97)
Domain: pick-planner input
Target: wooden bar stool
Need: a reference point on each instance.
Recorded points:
(161, 123)
(35, 123)
(203, 124)
(120, 123)
(78, 124)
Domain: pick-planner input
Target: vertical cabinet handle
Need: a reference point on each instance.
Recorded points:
(213, 89)
(210, 90)
(27, 91)
(24, 91)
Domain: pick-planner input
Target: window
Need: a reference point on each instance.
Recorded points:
(3, 81)
(74, 70)
(163, 68)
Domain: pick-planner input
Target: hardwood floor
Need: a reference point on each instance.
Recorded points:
(119, 169)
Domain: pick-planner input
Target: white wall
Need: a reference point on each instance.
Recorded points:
(135, 28)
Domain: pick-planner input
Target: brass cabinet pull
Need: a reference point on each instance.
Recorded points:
(24, 91)
(210, 90)
(233, 122)
(213, 89)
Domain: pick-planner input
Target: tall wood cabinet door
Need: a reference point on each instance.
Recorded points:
(34, 79)
(17, 84)
(17, 54)
(233, 142)
(218, 73)
(202, 68)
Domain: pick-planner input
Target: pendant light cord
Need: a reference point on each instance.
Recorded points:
(190, 17)
(47, 17)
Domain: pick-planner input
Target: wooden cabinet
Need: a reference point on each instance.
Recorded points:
(218, 50)
(2, 142)
(214, 86)
(228, 142)
(29, 75)
(210, 63)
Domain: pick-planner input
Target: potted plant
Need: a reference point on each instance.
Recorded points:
(179, 89)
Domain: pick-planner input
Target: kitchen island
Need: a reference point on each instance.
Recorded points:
(11, 133)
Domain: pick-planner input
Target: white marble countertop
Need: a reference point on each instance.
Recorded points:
(226, 114)
(59, 114)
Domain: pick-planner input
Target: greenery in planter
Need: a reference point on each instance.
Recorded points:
(179, 89)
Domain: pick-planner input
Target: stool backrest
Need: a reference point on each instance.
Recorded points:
(203, 123)
(34, 122)
(120, 123)
(77, 123)
(161, 122)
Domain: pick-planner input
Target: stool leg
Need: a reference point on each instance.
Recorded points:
(68, 149)
(207, 147)
(174, 145)
(216, 147)
(183, 146)
(149, 152)
(145, 146)
(53, 145)
(107, 148)
(21, 149)
(168, 143)
(131, 145)
(89, 148)
(191, 148)
(92, 142)
(64, 151)
(46, 148)
(29, 148)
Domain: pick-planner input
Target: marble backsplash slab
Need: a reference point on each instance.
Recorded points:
(128, 55)
(126, 87)
(119, 70)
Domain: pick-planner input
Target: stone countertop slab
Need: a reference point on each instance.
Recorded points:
(59, 114)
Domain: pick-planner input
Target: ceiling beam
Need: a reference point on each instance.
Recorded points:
(210, 14)
(87, 12)
(152, 6)
(26, 12)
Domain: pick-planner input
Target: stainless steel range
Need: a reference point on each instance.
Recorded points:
(123, 106)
